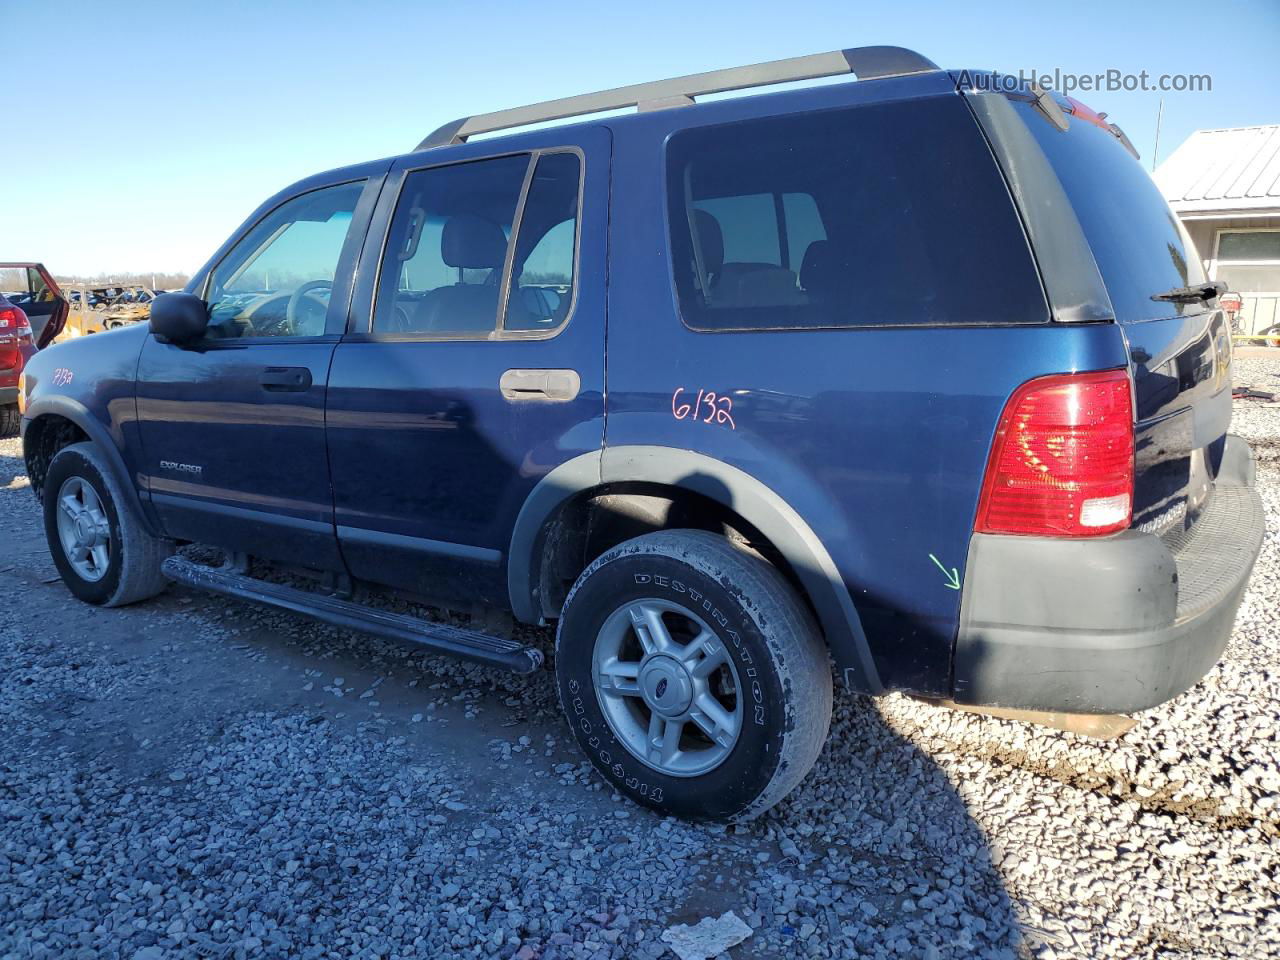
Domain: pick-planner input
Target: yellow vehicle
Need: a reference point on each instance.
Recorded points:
(98, 307)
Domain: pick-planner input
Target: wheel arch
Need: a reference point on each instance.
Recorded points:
(52, 423)
(643, 473)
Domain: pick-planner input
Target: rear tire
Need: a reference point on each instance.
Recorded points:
(101, 550)
(693, 676)
(10, 420)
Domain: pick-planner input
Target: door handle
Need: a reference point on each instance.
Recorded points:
(285, 379)
(555, 385)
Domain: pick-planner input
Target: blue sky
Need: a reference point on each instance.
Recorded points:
(147, 158)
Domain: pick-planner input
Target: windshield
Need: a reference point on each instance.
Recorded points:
(1140, 247)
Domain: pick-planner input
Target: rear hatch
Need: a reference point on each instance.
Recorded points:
(1179, 346)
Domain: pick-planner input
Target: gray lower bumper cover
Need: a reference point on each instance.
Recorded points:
(1112, 625)
(8, 395)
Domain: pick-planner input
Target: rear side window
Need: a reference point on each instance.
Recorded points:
(1137, 242)
(884, 215)
(445, 269)
(546, 247)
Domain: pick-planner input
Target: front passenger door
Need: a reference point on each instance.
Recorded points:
(233, 425)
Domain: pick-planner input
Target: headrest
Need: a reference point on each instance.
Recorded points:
(815, 268)
(710, 240)
(472, 242)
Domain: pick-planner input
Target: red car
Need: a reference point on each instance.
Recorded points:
(32, 312)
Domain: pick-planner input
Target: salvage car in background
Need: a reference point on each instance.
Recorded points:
(32, 312)
(99, 307)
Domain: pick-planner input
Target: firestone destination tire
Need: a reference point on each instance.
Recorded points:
(692, 676)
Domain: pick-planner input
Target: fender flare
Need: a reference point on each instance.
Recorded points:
(76, 412)
(739, 491)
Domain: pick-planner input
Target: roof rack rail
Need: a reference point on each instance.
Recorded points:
(866, 63)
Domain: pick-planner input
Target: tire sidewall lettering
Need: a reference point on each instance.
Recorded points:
(720, 619)
(729, 617)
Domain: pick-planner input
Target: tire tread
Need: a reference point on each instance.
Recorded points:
(10, 420)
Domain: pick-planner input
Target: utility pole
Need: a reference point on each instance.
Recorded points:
(1155, 151)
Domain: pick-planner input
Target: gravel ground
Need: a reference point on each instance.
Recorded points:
(197, 778)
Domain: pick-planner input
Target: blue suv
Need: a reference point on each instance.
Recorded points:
(916, 375)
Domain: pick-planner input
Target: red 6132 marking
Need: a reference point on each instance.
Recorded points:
(61, 377)
(709, 407)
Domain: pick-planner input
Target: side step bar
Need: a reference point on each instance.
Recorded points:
(437, 637)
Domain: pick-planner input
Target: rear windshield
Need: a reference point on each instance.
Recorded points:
(881, 215)
(1140, 247)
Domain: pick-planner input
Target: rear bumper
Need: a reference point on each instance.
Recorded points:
(1112, 625)
(8, 395)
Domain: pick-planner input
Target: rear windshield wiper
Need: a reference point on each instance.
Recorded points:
(1193, 294)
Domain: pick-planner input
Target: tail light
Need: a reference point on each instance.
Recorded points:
(13, 328)
(1062, 461)
(14, 323)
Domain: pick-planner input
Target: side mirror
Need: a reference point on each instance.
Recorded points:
(179, 317)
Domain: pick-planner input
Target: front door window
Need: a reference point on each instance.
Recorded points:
(276, 282)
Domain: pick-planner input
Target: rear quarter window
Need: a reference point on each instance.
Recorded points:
(881, 215)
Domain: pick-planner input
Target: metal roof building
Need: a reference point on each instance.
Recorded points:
(1225, 187)
(1236, 170)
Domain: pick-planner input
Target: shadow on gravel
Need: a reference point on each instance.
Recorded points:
(879, 828)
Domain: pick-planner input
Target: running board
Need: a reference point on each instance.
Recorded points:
(437, 637)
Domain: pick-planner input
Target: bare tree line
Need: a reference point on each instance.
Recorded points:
(156, 281)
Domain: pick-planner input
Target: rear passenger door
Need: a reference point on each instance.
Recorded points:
(474, 362)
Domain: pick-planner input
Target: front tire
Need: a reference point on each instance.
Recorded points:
(101, 550)
(692, 675)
